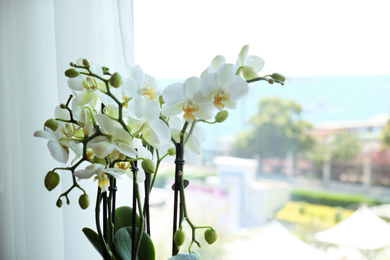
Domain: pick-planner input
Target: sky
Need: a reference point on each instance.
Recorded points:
(179, 38)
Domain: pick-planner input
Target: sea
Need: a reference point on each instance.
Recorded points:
(324, 99)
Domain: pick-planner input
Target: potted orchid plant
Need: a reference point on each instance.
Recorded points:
(118, 126)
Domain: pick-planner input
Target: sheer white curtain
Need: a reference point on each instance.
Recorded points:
(38, 40)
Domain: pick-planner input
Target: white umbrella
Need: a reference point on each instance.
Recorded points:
(275, 242)
(362, 230)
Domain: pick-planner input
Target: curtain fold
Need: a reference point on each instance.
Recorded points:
(38, 40)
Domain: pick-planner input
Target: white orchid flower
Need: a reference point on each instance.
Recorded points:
(101, 174)
(59, 149)
(224, 86)
(140, 87)
(142, 153)
(195, 140)
(150, 126)
(216, 63)
(87, 89)
(249, 65)
(180, 97)
(116, 138)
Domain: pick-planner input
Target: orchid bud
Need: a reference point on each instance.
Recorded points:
(210, 235)
(52, 179)
(179, 237)
(221, 116)
(59, 203)
(105, 70)
(72, 73)
(116, 80)
(172, 151)
(85, 62)
(148, 166)
(84, 201)
(51, 124)
(161, 100)
(278, 76)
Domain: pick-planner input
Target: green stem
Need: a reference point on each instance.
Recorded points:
(106, 253)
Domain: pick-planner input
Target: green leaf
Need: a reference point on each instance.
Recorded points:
(124, 218)
(187, 256)
(93, 237)
(123, 244)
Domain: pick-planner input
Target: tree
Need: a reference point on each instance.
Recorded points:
(341, 146)
(385, 135)
(275, 130)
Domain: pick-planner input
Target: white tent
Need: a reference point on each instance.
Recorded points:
(363, 230)
(277, 243)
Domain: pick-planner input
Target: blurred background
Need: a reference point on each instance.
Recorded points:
(307, 154)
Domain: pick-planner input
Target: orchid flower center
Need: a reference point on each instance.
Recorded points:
(69, 130)
(123, 165)
(125, 98)
(150, 93)
(189, 108)
(90, 153)
(90, 84)
(104, 182)
(219, 97)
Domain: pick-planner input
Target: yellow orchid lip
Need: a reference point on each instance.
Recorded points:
(123, 165)
(151, 93)
(125, 98)
(219, 97)
(188, 109)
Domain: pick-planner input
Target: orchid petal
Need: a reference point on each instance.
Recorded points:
(58, 152)
(126, 149)
(61, 113)
(225, 73)
(255, 62)
(242, 55)
(45, 135)
(173, 94)
(191, 85)
(76, 83)
(84, 174)
(172, 110)
(138, 75)
(102, 148)
(209, 84)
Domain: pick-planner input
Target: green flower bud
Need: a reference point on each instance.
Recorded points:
(116, 80)
(179, 237)
(279, 77)
(84, 201)
(161, 99)
(52, 124)
(85, 62)
(221, 116)
(52, 179)
(172, 151)
(105, 70)
(59, 203)
(148, 166)
(210, 235)
(72, 73)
